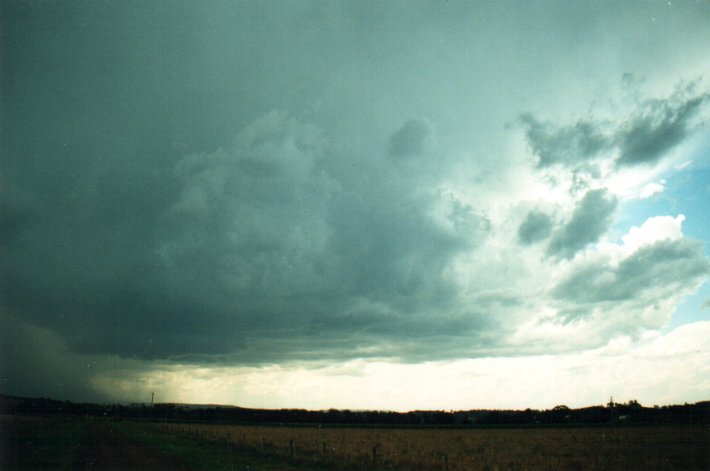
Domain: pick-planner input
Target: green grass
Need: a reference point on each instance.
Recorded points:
(202, 454)
(40, 442)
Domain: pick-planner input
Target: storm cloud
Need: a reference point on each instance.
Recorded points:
(648, 134)
(537, 226)
(412, 138)
(659, 127)
(653, 273)
(566, 145)
(590, 219)
(254, 186)
(258, 241)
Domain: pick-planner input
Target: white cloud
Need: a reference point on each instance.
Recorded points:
(609, 289)
(652, 230)
(683, 165)
(651, 189)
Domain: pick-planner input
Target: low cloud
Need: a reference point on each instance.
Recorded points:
(651, 189)
(653, 273)
(413, 138)
(645, 136)
(630, 288)
(258, 193)
(590, 220)
(536, 226)
(261, 252)
(654, 229)
(566, 145)
(657, 128)
(652, 371)
(37, 362)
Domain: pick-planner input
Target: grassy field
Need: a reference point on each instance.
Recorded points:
(51, 443)
(671, 447)
(28, 442)
(205, 453)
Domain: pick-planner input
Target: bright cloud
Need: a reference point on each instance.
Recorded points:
(651, 189)
(654, 229)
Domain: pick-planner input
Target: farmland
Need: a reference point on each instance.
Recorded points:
(65, 443)
(50, 434)
(35, 442)
(554, 448)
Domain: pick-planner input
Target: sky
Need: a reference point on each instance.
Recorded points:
(355, 205)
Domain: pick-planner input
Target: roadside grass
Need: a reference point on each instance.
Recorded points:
(200, 453)
(28, 442)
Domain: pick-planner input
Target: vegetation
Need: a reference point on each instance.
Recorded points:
(346, 448)
(200, 453)
(45, 434)
(31, 442)
(613, 413)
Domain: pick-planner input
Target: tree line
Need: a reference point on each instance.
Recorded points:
(630, 412)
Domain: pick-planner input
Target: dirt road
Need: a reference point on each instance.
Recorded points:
(106, 449)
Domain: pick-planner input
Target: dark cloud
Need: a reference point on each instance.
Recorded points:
(537, 226)
(656, 129)
(566, 145)
(591, 219)
(154, 208)
(37, 363)
(413, 138)
(652, 274)
(254, 244)
(17, 208)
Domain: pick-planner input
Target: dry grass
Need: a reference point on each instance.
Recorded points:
(663, 447)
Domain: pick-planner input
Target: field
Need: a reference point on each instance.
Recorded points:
(28, 442)
(71, 443)
(594, 448)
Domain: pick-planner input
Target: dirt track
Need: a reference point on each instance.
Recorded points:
(106, 449)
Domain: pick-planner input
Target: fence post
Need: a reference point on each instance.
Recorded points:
(323, 447)
(446, 462)
(374, 456)
(290, 448)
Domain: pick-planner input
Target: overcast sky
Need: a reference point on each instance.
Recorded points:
(382, 205)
